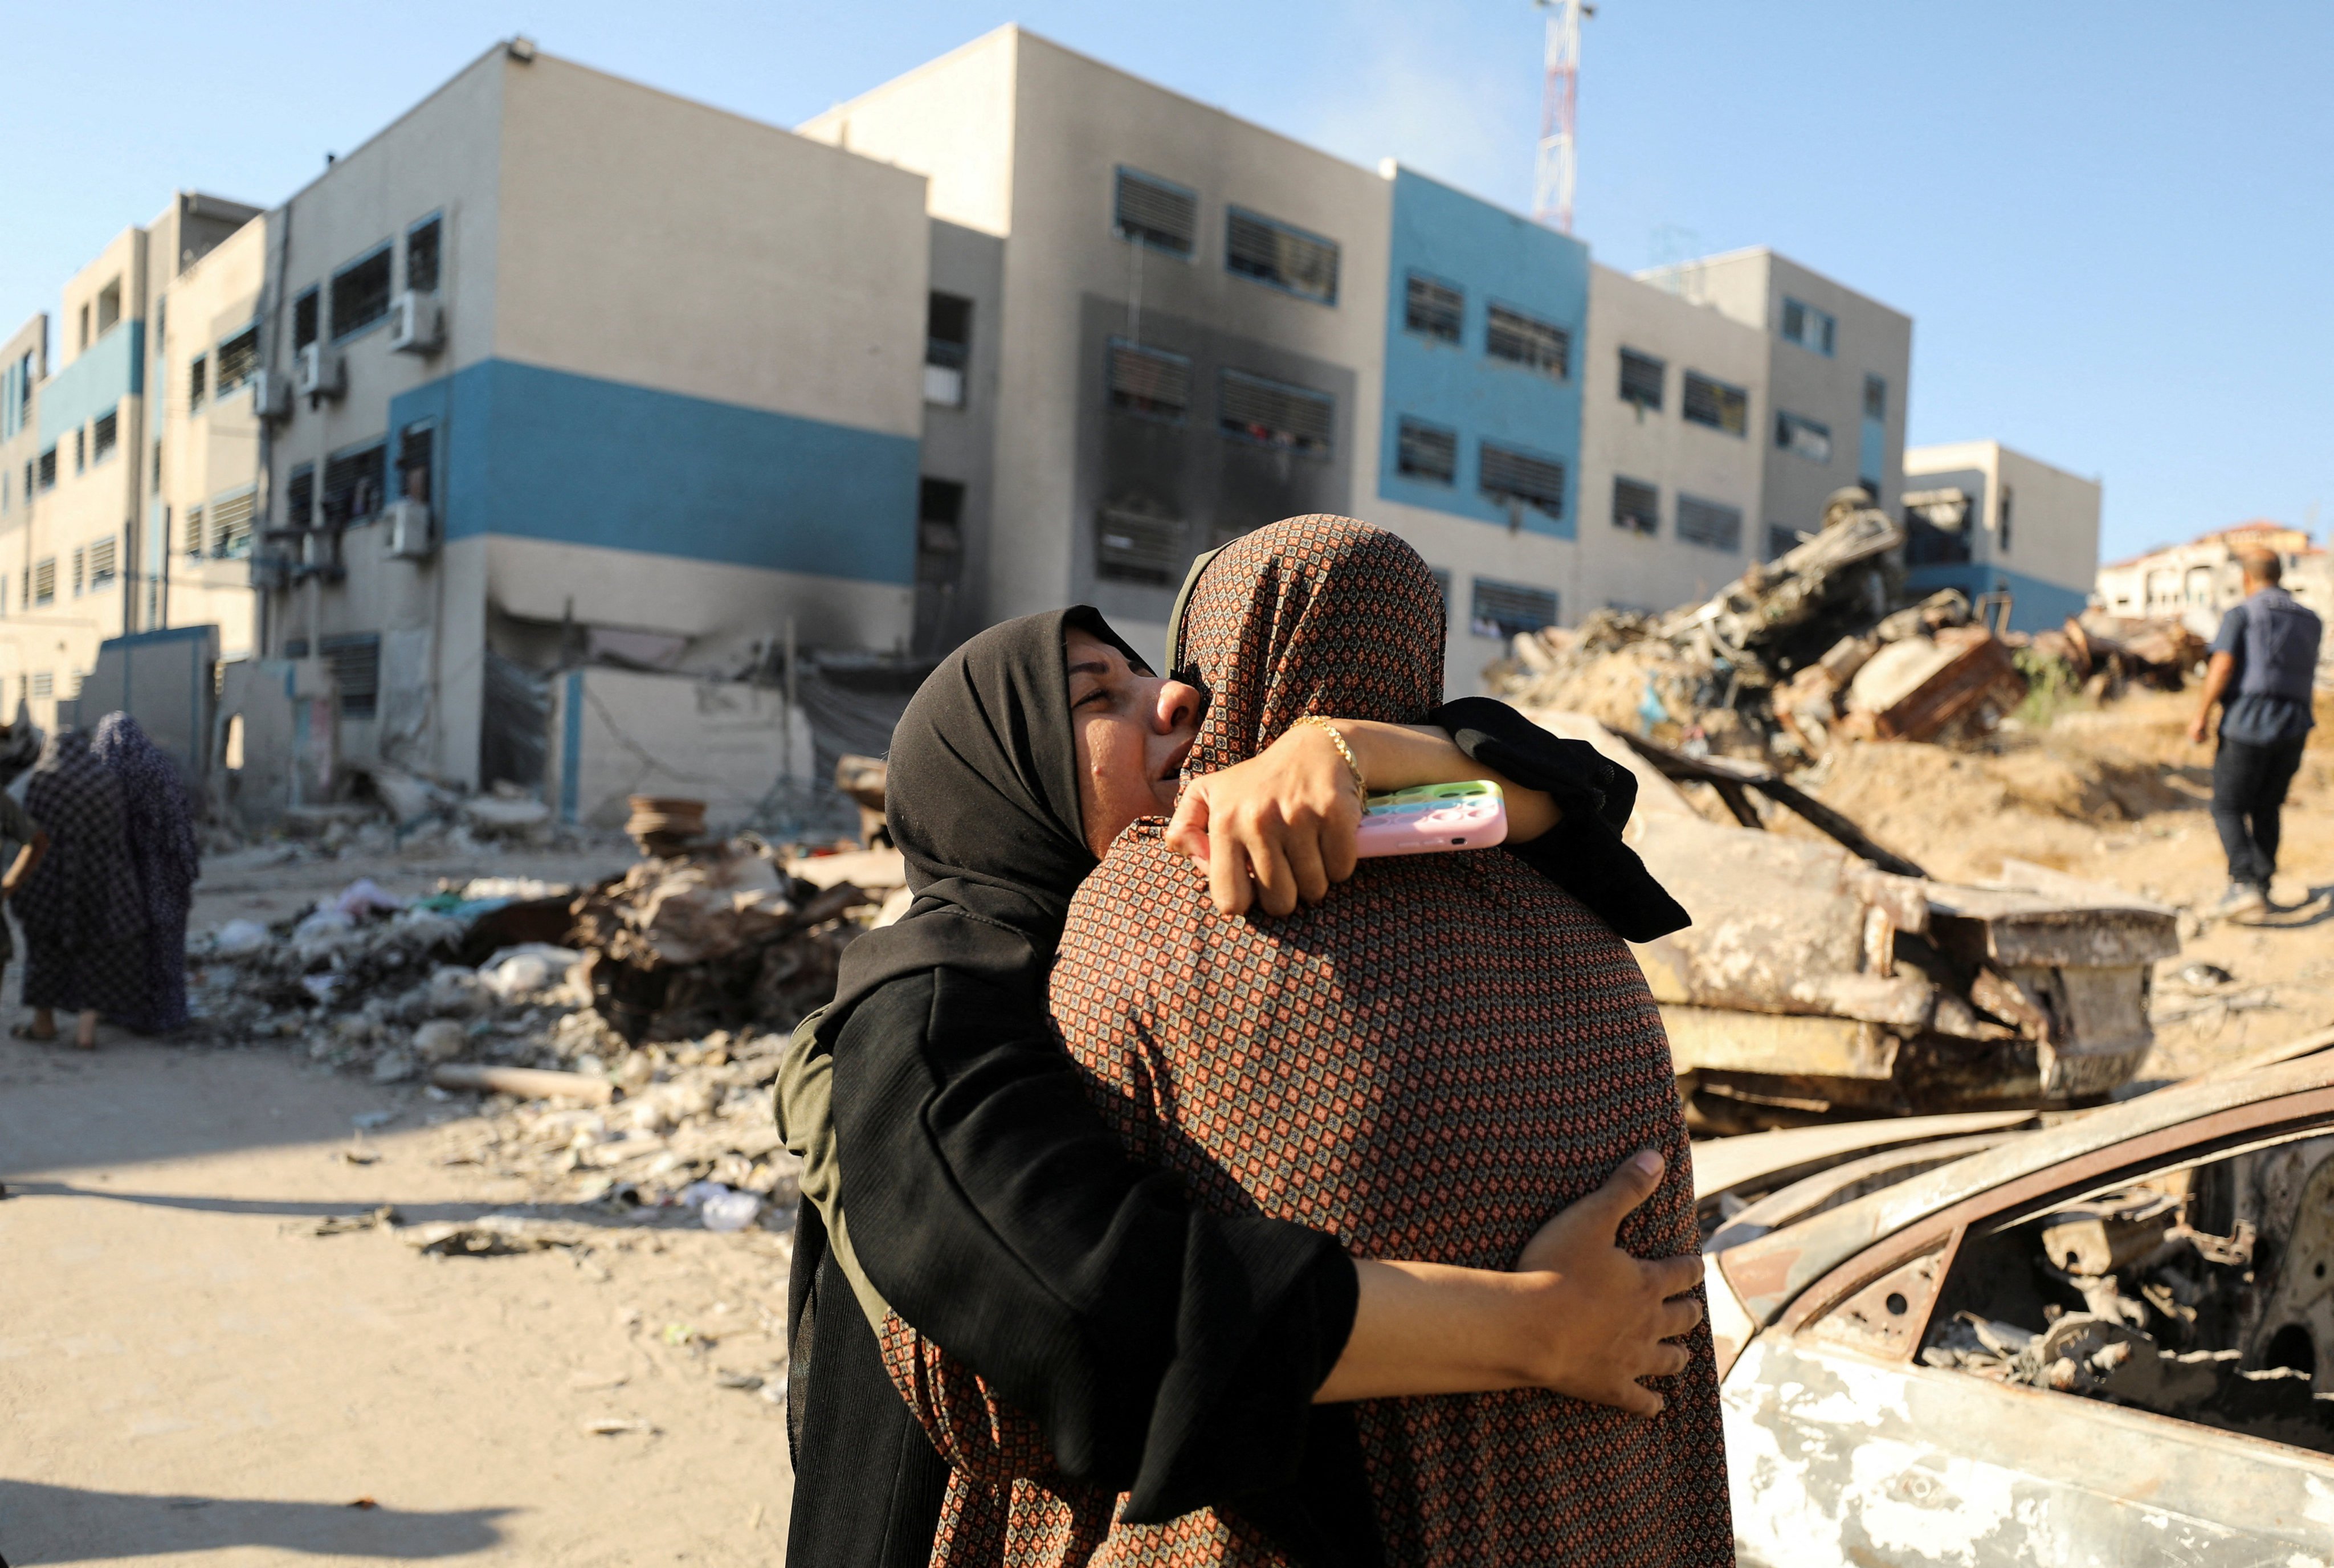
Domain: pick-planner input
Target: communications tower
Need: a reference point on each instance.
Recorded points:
(1552, 175)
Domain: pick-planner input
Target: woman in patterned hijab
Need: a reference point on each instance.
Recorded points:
(83, 910)
(1425, 1064)
(168, 858)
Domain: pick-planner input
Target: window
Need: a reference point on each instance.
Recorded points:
(48, 469)
(157, 463)
(80, 570)
(1641, 380)
(1709, 524)
(354, 660)
(300, 497)
(1529, 342)
(1433, 309)
(1876, 398)
(939, 529)
(102, 563)
(44, 580)
(1138, 546)
(1155, 212)
(1809, 327)
(109, 307)
(1429, 452)
(304, 320)
(1151, 382)
(417, 444)
(84, 324)
(948, 348)
(237, 358)
(1259, 247)
(361, 293)
(1274, 414)
(353, 485)
(81, 449)
(1872, 451)
(1636, 506)
(104, 436)
(1506, 609)
(194, 531)
(421, 255)
(44, 684)
(1716, 404)
(231, 525)
(1804, 437)
(2001, 526)
(1510, 475)
(1936, 527)
(197, 373)
(1780, 540)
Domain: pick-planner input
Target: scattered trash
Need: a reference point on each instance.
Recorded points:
(364, 1503)
(359, 1155)
(617, 1427)
(720, 1207)
(745, 1382)
(2203, 977)
(493, 1236)
(383, 1218)
(525, 1082)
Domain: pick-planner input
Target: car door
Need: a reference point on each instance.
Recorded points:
(1842, 1447)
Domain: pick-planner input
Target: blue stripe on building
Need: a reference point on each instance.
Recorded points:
(532, 453)
(108, 370)
(1492, 256)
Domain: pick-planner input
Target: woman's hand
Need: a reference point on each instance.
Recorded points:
(1274, 829)
(1580, 1316)
(1279, 827)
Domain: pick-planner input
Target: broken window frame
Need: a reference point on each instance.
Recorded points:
(1163, 215)
(359, 293)
(425, 253)
(1803, 437)
(1426, 452)
(1146, 382)
(1529, 342)
(1719, 405)
(948, 348)
(1433, 309)
(354, 485)
(1280, 255)
(1280, 414)
(306, 319)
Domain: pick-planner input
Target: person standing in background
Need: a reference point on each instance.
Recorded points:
(81, 907)
(2264, 659)
(167, 855)
(22, 845)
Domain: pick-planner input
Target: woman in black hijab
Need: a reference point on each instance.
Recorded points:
(1163, 1351)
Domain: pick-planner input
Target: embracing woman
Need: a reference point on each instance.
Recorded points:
(1164, 1347)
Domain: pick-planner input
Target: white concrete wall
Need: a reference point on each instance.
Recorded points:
(665, 244)
(951, 120)
(724, 742)
(1661, 447)
(209, 453)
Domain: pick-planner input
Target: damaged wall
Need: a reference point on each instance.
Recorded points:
(616, 732)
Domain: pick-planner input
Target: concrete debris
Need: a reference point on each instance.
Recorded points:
(493, 1236)
(523, 1082)
(1826, 974)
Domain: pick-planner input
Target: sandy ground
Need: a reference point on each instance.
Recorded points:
(191, 1374)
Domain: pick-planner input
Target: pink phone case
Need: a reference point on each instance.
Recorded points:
(1471, 822)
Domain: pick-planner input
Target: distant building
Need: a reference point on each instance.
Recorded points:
(2004, 528)
(2198, 581)
(102, 455)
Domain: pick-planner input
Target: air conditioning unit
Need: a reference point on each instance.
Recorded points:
(271, 399)
(408, 528)
(318, 372)
(416, 322)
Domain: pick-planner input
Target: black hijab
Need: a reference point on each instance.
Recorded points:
(982, 800)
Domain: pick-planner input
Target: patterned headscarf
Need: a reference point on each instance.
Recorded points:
(154, 795)
(1312, 615)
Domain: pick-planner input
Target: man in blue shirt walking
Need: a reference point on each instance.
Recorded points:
(2263, 661)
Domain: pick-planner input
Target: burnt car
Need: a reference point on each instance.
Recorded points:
(2103, 1337)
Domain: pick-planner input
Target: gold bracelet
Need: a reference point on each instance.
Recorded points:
(1361, 785)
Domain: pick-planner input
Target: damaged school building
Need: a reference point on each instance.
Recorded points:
(577, 438)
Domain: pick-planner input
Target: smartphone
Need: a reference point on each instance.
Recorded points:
(1467, 815)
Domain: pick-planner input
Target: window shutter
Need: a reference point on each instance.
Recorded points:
(1156, 212)
(1636, 506)
(1275, 413)
(1434, 308)
(1149, 381)
(1137, 547)
(1708, 524)
(1427, 452)
(1529, 342)
(1259, 247)
(1536, 481)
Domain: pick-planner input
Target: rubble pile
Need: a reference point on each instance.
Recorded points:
(1817, 646)
(508, 973)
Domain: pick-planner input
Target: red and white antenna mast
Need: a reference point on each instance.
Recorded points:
(1552, 176)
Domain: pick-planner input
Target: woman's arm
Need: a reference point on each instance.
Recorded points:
(1279, 827)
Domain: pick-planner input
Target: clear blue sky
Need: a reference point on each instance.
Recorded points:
(2110, 223)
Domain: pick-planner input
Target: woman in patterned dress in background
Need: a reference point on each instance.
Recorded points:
(1425, 1064)
(81, 908)
(167, 859)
